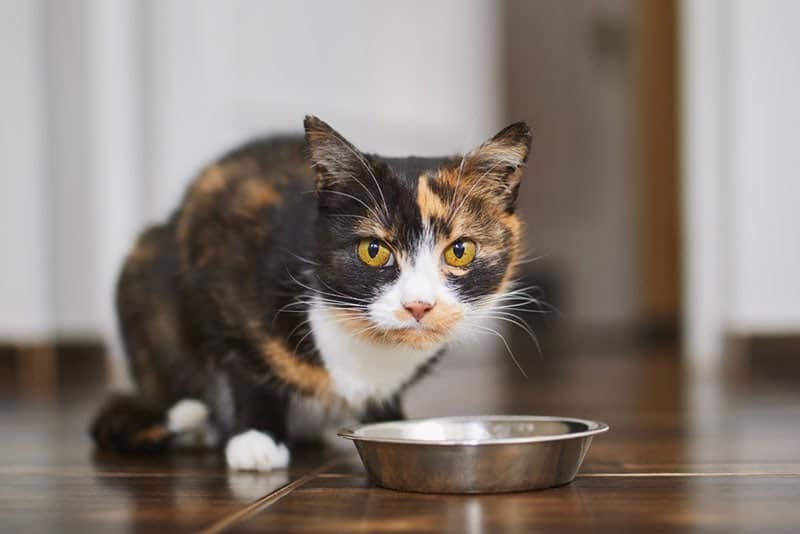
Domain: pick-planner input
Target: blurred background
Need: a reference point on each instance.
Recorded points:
(661, 194)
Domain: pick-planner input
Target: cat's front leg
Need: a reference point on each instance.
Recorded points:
(256, 450)
(259, 439)
(387, 410)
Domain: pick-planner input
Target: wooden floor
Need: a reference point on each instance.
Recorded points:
(682, 455)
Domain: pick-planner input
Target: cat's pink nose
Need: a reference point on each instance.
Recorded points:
(418, 309)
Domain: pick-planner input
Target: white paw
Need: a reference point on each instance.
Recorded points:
(255, 451)
(186, 415)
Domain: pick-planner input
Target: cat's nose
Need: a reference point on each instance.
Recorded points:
(418, 308)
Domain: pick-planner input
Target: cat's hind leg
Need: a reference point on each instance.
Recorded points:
(163, 367)
(129, 424)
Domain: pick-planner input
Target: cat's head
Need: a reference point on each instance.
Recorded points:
(410, 249)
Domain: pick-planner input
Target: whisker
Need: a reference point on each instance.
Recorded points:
(308, 300)
(505, 343)
(549, 308)
(519, 323)
(515, 299)
(337, 320)
(332, 289)
(296, 328)
(353, 177)
(319, 291)
(471, 189)
(364, 330)
(458, 181)
(369, 168)
(523, 260)
(518, 309)
(515, 302)
(297, 346)
(301, 258)
(352, 197)
(348, 215)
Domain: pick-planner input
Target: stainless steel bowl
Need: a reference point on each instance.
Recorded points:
(482, 454)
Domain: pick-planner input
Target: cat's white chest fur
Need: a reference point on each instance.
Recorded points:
(361, 370)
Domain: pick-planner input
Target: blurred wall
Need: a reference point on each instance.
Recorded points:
(570, 74)
(741, 78)
(25, 285)
(109, 108)
(398, 78)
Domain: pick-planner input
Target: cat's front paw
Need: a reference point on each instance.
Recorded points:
(255, 451)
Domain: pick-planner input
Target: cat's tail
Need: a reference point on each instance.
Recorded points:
(130, 425)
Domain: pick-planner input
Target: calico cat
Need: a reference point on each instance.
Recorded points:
(302, 283)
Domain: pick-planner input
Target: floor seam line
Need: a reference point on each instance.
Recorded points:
(687, 475)
(268, 500)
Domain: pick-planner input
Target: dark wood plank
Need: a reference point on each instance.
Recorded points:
(661, 419)
(59, 502)
(51, 479)
(633, 504)
(719, 455)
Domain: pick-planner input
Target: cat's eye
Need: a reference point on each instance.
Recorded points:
(374, 253)
(460, 253)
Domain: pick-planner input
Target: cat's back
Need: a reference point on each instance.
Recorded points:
(267, 172)
(261, 191)
(281, 154)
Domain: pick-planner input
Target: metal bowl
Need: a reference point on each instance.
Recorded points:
(482, 454)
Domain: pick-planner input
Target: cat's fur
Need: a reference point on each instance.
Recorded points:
(252, 301)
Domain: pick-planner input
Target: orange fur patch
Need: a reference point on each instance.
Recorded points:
(154, 433)
(210, 181)
(493, 239)
(311, 379)
(372, 228)
(430, 204)
(253, 194)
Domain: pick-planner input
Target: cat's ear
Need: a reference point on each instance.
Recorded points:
(494, 169)
(333, 157)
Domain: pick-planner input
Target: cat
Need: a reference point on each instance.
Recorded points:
(301, 283)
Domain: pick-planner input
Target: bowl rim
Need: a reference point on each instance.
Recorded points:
(593, 427)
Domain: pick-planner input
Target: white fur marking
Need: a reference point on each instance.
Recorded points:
(361, 370)
(255, 451)
(188, 422)
(186, 415)
(421, 281)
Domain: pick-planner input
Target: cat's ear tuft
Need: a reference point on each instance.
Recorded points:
(316, 128)
(511, 144)
(333, 157)
(494, 168)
